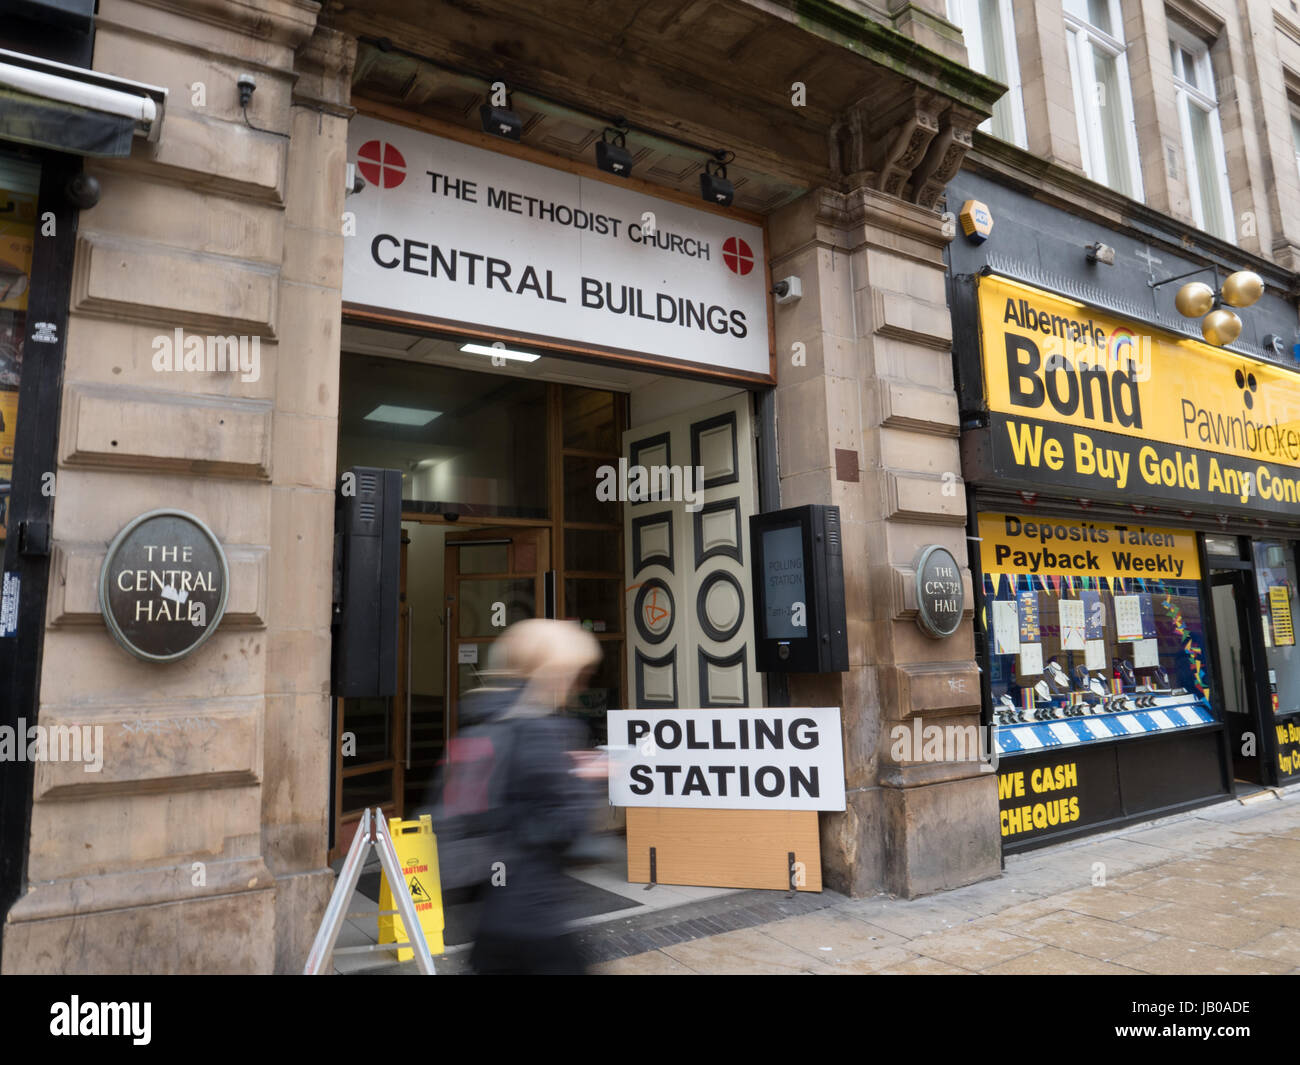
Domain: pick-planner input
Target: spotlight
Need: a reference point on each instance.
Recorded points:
(612, 155)
(1101, 253)
(500, 122)
(1242, 288)
(714, 186)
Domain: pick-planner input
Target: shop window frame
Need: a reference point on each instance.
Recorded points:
(966, 15)
(1082, 40)
(1203, 95)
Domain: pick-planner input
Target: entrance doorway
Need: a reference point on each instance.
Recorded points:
(1232, 597)
(460, 586)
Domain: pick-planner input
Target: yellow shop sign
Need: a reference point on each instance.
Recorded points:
(1077, 397)
(1067, 547)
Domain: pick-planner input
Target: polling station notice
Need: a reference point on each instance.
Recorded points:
(741, 759)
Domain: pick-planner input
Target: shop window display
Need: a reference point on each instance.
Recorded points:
(1077, 658)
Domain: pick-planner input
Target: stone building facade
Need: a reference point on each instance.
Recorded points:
(202, 846)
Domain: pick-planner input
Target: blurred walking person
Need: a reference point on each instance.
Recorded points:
(550, 783)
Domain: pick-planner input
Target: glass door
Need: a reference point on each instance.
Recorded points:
(1232, 599)
(494, 577)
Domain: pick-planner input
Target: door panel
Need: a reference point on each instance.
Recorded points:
(689, 636)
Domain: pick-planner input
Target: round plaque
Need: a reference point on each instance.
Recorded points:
(163, 585)
(940, 594)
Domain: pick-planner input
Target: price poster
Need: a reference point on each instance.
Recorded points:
(1148, 617)
(1128, 617)
(1146, 654)
(1006, 627)
(1031, 659)
(1095, 655)
(1094, 615)
(1279, 605)
(1027, 604)
(1072, 625)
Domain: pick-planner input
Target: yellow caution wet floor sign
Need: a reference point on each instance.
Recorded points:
(417, 850)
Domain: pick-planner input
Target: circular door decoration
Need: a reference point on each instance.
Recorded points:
(163, 585)
(654, 611)
(720, 605)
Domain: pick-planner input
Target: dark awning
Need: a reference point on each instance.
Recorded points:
(69, 109)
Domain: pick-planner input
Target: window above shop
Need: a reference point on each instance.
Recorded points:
(1103, 97)
(1198, 117)
(990, 32)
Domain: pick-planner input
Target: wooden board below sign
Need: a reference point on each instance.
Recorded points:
(723, 848)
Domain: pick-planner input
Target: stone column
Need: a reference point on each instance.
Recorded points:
(867, 420)
(199, 846)
(298, 756)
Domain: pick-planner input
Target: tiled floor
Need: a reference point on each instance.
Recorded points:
(1215, 891)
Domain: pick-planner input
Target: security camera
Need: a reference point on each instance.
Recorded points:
(355, 181)
(787, 290)
(246, 83)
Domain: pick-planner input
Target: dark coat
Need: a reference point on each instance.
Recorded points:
(548, 811)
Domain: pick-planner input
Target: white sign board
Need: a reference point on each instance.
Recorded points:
(742, 759)
(461, 235)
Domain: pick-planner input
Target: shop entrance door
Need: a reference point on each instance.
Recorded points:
(1235, 676)
(494, 577)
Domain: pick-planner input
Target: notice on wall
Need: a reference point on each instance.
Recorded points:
(1128, 617)
(454, 233)
(1094, 655)
(1279, 606)
(1031, 659)
(467, 654)
(1146, 654)
(1006, 627)
(1072, 624)
(732, 759)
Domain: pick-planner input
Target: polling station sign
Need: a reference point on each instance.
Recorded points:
(742, 759)
(1083, 399)
(456, 234)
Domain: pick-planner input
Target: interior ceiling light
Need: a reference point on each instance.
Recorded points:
(500, 353)
(416, 416)
(714, 186)
(612, 155)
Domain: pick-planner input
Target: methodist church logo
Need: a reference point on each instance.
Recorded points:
(381, 164)
(738, 256)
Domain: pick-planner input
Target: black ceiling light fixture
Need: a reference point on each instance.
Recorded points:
(714, 186)
(612, 155)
